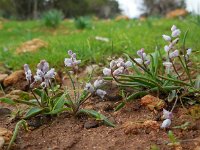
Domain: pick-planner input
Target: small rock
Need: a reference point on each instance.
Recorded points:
(91, 124)
(136, 127)
(17, 80)
(6, 134)
(105, 106)
(2, 77)
(2, 141)
(4, 112)
(152, 102)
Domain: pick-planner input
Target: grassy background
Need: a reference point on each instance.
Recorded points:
(125, 36)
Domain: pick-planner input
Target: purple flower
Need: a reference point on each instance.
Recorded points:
(72, 61)
(174, 54)
(167, 48)
(98, 83)
(101, 93)
(43, 66)
(167, 114)
(176, 33)
(140, 52)
(50, 74)
(128, 64)
(107, 71)
(173, 28)
(27, 73)
(166, 38)
(118, 71)
(89, 87)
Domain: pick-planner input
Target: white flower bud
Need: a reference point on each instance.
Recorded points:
(128, 64)
(173, 28)
(107, 71)
(189, 51)
(176, 33)
(68, 62)
(89, 87)
(167, 38)
(167, 48)
(101, 93)
(167, 64)
(118, 71)
(166, 123)
(138, 60)
(37, 78)
(98, 83)
(27, 72)
(112, 64)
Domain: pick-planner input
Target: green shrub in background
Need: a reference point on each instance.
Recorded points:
(82, 22)
(52, 18)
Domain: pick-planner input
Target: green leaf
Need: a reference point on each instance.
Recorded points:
(26, 102)
(60, 102)
(33, 112)
(197, 82)
(171, 137)
(20, 123)
(136, 95)
(172, 96)
(121, 105)
(97, 115)
(41, 94)
(7, 101)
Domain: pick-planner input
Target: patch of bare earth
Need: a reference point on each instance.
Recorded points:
(136, 128)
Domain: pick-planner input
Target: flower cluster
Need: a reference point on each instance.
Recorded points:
(95, 88)
(142, 58)
(72, 61)
(170, 49)
(117, 67)
(168, 117)
(43, 74)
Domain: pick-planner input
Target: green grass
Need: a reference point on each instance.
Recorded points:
(125, 37)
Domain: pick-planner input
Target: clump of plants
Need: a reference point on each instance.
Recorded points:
(51, 100)
(158, 74)
(52, 18)
(82, 23)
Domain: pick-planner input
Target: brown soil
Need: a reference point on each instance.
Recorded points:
(68, 133)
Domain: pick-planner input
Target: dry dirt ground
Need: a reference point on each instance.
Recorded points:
(137, 128)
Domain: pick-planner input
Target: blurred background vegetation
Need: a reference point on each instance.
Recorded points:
(95, 29)
(33, 9)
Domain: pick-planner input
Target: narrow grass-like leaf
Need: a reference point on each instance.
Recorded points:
(7, 101)
(17, 127)
(120, 106)
(97, 115)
